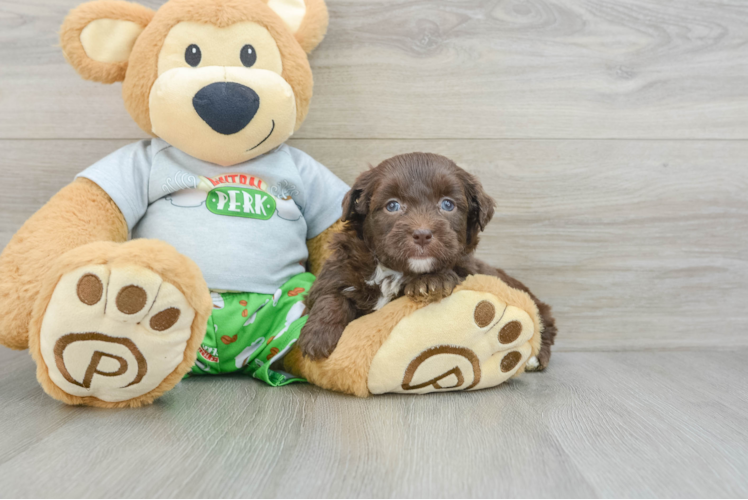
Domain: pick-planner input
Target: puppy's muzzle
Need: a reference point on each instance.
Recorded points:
(227, 107)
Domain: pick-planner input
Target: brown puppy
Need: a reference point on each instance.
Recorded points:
(412, 226)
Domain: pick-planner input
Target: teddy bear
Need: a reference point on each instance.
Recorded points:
(191, 253)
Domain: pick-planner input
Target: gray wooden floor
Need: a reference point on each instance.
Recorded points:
(614, 136)
(639, 424)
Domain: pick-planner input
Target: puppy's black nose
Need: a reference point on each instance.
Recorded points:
(227, 107)
(422, 236)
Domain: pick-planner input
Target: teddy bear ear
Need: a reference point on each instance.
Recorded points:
(307, 20)
(97, 37)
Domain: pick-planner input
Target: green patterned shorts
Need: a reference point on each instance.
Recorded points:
(250, 333)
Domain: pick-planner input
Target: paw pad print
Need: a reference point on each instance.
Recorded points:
(470, 341)
(135, 330)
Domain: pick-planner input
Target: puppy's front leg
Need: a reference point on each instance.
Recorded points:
(430, 287)
(327, 321)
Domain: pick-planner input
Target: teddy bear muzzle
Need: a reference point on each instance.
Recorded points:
(222, 115)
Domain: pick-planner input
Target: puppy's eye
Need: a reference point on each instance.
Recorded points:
(192, 55)
(448, 205)
(248, 55)
(393, 206)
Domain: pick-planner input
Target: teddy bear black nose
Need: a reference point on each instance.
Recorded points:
(227, 107)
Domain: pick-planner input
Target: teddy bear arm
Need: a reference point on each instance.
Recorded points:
(80, 213)
(319, 248)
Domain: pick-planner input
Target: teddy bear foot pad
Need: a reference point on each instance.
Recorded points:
(114, 334)
(472, 340)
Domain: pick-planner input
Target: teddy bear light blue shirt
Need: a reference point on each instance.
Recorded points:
(245, 226)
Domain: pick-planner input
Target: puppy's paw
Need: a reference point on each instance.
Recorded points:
(540, 362)
(318, 340)
(533, 364)
(431, 287)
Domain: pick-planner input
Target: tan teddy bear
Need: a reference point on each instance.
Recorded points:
(185, 253)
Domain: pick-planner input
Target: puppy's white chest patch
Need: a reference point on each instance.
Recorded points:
(389, 283)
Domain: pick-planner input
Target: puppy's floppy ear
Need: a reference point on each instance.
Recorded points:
(97, 37)
(480, 207)
(307, 20)
(356, 201)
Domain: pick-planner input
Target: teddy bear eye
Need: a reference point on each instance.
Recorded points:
(248, 55)
(192, 55)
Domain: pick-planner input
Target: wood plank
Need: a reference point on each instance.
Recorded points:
(664, 424)
(638, 254)
(23, 400)
(445, 69)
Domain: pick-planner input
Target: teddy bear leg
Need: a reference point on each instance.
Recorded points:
(80, 213)
(480, 336)
(118, 324)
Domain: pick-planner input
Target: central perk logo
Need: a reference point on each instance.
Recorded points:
(238, 201)
(236, 195)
